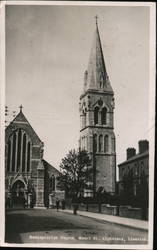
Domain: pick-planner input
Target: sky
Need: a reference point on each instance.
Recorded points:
(47, 52)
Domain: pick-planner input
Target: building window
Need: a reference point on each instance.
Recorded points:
(135, 170)
(113, 145)
(95, 143)
(14, 152)
(142, 167)
(104, 116)
(100, 143)
(122, 172)
(28, 156)
(53, 183)
(19, 150)
(24, 153)
(84, 119)
(9, 153)
(128, 169)
(96, 113)
(106, 142)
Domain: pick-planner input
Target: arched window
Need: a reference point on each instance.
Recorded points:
(106, 143)
(96, 112)
(19, 150)
(53, 183)
(84, 119)
(9, 152)
(28, 156)
(104, 116)
(24, 153)
(113, 144)
(95, 143)
(14, 152)
(100, 143)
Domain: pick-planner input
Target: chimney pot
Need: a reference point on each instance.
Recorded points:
(143, 146)
(130, 152)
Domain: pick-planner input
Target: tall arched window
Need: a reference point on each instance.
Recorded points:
(84, 119)
(14, 152)
(113, 144)
(106, 143)
(96, 112)
(19, 150)
(104, 116)
(95, 143)
(28, 156)
(100, 142)
(53, 183)
(9, 153)
(24, 153)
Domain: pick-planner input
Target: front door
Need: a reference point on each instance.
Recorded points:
(18, 194)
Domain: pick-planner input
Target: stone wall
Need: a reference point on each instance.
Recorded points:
(107, 209)
(124, 211)
(130, 212)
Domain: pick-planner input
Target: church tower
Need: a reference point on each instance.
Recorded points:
(96, 117)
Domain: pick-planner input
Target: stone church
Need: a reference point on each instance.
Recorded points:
(97, 123)
(28, 177)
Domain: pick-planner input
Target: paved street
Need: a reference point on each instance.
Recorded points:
(50, 226)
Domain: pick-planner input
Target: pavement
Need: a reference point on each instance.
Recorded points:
(129, 222)
(62, 227)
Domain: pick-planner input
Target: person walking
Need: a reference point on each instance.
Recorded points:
(57, 204)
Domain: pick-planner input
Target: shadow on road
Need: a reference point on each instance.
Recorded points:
(24, 221)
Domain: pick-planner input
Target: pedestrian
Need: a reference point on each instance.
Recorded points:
(57, 204)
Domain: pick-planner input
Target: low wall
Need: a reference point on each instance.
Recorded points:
(107, 209)
(93, 208)
(130, 212)
(123, 211)
(82, 207)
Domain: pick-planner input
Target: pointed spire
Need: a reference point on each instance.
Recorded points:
(96, 75)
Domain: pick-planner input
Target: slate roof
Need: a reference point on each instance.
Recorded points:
(50, 168)
(136, 157)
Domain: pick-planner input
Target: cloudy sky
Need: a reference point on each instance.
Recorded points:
(47, 52)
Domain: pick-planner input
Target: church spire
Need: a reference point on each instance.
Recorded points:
(96, 77)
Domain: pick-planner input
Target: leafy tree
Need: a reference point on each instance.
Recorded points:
(76, 172)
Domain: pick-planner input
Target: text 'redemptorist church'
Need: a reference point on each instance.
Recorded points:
(97, 123)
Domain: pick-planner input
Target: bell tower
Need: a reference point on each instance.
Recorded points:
(96, 119)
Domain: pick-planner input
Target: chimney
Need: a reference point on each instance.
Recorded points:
(130, 152)
(143, 146)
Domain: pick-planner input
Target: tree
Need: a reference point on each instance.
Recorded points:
(75, 174)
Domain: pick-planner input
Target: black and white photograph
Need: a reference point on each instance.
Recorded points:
(77, 124)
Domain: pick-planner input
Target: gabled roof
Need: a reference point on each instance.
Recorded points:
(50, 168)
(20, 121)
(134, 158)
(96, 77)
(20, 118)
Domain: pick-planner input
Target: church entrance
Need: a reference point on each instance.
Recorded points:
(18, 194)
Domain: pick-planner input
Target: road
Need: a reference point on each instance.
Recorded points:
(50, 226)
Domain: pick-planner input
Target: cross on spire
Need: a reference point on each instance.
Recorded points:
(96, 19)
(21, 107)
